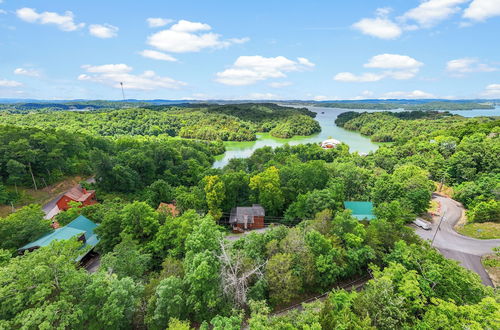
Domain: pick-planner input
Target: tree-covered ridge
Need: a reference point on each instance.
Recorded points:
(424, 106)
(239, 122)
(35, 158)
(403, 126)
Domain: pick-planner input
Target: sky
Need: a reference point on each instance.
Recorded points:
(221, 49)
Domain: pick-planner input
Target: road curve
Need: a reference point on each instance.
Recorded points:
(452, 245)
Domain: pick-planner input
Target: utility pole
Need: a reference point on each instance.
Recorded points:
(438, 228)
(123, 93)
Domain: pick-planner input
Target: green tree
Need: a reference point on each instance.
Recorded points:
(266, 186)
(126, 260)
(140, 220)
(215, 195)
(168, 302)
(22, 227)
(283, 284)
(488, 211)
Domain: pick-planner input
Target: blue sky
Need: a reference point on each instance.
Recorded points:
(250, 49)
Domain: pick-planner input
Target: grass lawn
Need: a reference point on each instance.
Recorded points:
(40, 196)
(491, 263)
(485, 230)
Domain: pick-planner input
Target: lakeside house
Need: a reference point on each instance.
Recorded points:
(330, 144)
(247, 218)
(360, 210)
(81, 227)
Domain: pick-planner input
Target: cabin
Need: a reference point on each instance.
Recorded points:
(247, 218)
(168, 209)
(81, 227)
(76, 194)
(360, 210)
(330, 144)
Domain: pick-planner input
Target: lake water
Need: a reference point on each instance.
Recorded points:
(355, 141)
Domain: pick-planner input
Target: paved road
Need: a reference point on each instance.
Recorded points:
(452, 245)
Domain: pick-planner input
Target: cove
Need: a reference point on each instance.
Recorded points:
(326, 118)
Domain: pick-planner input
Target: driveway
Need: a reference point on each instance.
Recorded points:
(452, 245)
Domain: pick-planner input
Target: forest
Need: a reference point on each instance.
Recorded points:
(423, 106)
(159, 271)
(237, 122)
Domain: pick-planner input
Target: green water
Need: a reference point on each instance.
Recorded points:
(326, 118)
(355, 141)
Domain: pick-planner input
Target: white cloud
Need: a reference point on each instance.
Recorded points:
(380, 26)
(3, 11)
(27, 72)
(104, 31)
(158, 22)
(351, 77)
(416, 94)
(114, 74)
(156, 55)
(492, 91)
(248, 70)
(279, 84)
(9, 83)
(395, 66)
(64, 22)
(480, 10)
(431, 12)
(320, 98)
(467, 65)
(393, 61)
(186, 36)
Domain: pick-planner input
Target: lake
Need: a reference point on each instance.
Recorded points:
(355, 141)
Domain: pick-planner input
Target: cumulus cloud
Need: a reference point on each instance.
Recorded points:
(394, 66)
(462, 66)
(248, 70)
(416, 94)
(393, 61)
(186, 36)
(103, 31)
(431, 12)
(156, 55)
(9, 83)
(480, 10)
(380, 26)
(158, 22)
(492, 91)
(27, 72)
(64, 22)
(114, 74)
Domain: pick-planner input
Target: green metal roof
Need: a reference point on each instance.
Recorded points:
(80, 225)
(360, 210)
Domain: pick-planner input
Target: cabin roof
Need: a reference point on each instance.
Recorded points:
(360, 210)
(77, 227)
(242, 214)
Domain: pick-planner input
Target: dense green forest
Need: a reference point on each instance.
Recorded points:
(159, 271)
(425, 106)
(238, 122)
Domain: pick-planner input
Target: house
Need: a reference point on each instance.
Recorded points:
(76, 194)
(360, 210)
(330, 144)
(243, 218)
(81, 227)
(168, 209)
